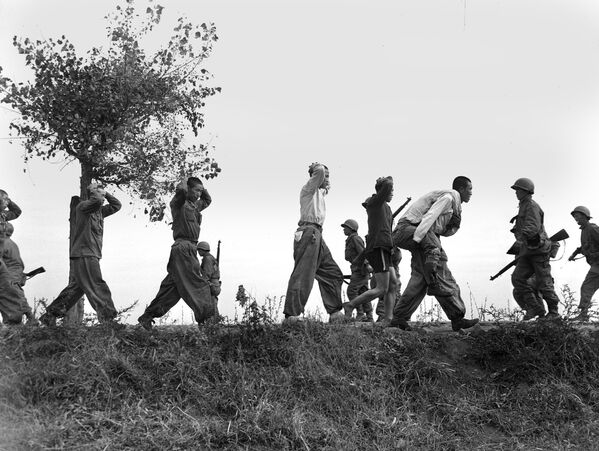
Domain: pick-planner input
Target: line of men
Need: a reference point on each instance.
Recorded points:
(436, 214)
(198, 284)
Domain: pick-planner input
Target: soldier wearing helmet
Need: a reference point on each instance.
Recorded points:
(534, 253)
(589, 247)
(358, 282)
(211, 273)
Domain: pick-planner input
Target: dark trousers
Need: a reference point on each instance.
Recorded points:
(414, 292)
(87, 279)
(539, 266)
(313, 260)
(183, 281)
(358, 284)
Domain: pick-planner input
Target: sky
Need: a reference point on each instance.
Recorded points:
(422, 90)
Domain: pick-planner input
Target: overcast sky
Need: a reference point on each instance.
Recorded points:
(419, 90)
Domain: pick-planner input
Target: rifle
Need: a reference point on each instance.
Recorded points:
(218, 253)
(559, 236)
(577, 251)
(398, 211)
(35, 272)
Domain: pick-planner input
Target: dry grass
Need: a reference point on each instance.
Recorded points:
(262, 386)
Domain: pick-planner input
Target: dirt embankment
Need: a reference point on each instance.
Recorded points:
(314, 386)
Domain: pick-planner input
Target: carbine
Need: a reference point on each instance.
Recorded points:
(398, 211)
(35, 272)
(559, 236)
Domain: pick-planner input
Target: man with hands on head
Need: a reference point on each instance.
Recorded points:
(184, 278)
(85, 254)
(313, 259)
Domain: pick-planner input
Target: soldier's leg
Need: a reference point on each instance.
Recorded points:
(306, 249)
(356, 287)
(523, 293)
(542, 269)
(330, 278)
(184, 268)
(587, 290)
(89, 277)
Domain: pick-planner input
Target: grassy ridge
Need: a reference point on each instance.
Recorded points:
(316, 386)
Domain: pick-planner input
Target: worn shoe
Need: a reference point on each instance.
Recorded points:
(360, 317)
(463, 323)
(368, 319)
(48, 319)
(348, 309)
(399, 322)
(146, 322)
(435, 289)
(337, 317)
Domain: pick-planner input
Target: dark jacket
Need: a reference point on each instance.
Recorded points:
(380, 219)
(354, 247)
(187, 218)
(589, 243)
(529, 229)
(88, 230)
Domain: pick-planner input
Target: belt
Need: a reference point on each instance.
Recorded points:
(312, 224)
(185, 240)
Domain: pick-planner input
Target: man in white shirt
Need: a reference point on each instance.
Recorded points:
(313, 259)
(435, 214)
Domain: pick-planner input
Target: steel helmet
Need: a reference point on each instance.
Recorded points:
(351, 224)
(525, 184)
(204, 246)
(582, 209)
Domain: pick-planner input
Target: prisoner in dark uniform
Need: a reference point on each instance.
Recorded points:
(184, 277)
(85, 254)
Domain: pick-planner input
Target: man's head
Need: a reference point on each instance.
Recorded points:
(379, 184)
(581, 215)
(4, 199)
(203, 248)
(95, 188)
(325, 183)
(349, 226)
(523, 187)
(195, 187)
(463, 185)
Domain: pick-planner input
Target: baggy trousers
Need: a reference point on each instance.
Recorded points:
(588, 289)
(414, 293)
(313, 260)
(87, 279)
(183, 281)
(537, 264)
